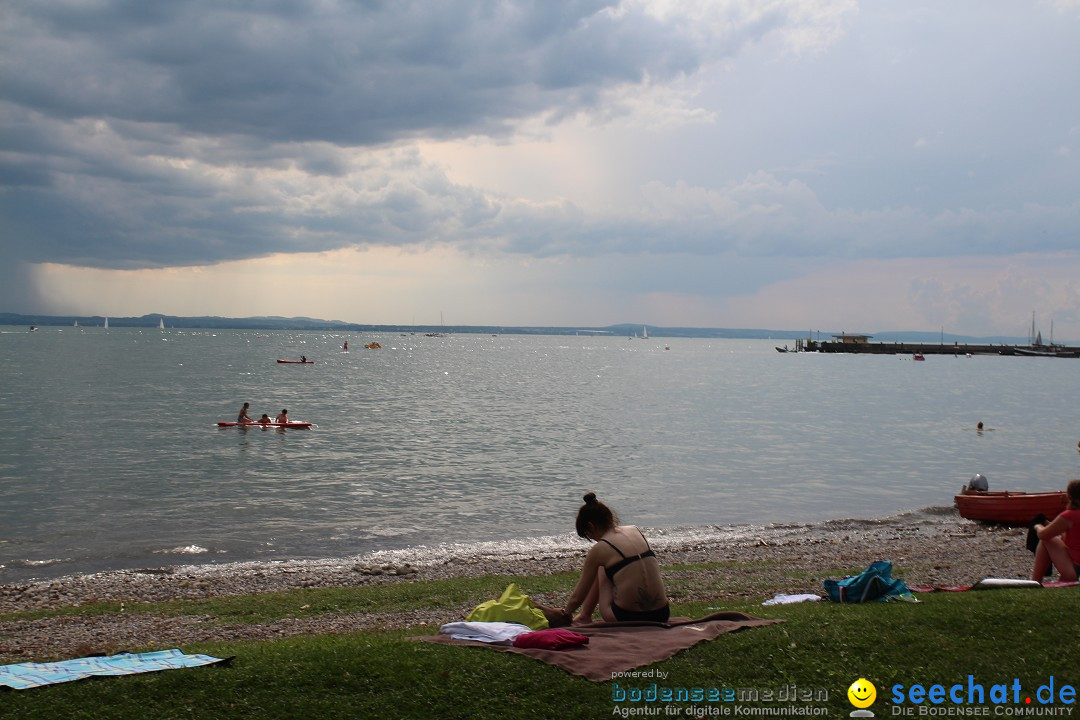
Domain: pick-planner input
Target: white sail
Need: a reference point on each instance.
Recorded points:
(106, 323)
(161, 323)
(644, 333)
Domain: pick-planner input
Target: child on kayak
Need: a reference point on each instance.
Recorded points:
(243, 417)
(283, 417)
(1059, 540)
(265, 419)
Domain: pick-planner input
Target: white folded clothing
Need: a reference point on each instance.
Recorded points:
(781, 599)
(488, 632)
(991, 583)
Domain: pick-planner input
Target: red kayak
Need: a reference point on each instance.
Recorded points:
(1009, 507)
(289, 424)
(297, 362)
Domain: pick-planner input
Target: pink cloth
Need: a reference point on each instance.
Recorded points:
(551, 639)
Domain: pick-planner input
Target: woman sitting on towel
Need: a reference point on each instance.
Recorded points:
(1059, 540)
(621, 573)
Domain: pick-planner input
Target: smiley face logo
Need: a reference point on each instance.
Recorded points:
(862, 693)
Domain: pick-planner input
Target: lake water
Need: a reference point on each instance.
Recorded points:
(109, 456)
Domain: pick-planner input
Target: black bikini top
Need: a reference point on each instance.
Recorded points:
(627, 560)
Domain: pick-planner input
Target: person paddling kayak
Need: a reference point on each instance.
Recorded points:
(243, 417)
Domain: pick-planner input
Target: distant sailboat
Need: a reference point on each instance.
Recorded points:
(1038, 349)
(161, 324)
(76, 324)
(106, 326)
(644, 333)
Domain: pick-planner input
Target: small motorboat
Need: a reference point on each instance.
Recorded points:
(1009, 507)
(918, 356)
(373, 346)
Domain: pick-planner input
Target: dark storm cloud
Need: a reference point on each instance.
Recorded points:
(346, 73)
(136, 134)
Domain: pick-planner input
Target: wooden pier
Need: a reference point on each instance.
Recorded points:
(860, 344)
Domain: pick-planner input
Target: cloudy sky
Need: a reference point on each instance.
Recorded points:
(789, 164)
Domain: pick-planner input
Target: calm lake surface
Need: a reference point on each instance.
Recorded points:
(109, 456)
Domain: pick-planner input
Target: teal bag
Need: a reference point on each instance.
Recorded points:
(873, 583)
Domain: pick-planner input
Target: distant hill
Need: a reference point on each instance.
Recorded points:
(173, 321)
(620, 330)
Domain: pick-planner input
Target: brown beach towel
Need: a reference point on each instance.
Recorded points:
(618, 647)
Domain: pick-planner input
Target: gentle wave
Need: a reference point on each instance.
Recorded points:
(48, 562)
(185, 550)
(547, 546)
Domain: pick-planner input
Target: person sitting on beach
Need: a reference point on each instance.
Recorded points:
(243, 417)
(1059, 540)
(283, 417)
(621, 575)
(265, 419)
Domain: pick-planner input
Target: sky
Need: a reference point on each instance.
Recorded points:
(788, 164)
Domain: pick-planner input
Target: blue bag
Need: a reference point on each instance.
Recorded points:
(873, 583)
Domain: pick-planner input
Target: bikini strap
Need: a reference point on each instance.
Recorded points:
(647, 545)
(613, 547)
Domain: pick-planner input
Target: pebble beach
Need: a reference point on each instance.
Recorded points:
(752, 564)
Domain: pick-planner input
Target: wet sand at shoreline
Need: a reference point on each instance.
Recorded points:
(934, 547)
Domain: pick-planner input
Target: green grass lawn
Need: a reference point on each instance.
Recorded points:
(997, 637)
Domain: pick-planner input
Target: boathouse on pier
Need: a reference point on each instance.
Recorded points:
(852, 339)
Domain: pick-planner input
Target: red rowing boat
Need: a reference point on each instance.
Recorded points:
(1008, 507)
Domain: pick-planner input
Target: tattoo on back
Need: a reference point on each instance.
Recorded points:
(646, 600)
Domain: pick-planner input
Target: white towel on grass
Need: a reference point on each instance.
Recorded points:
(781, 599)
(489, 632)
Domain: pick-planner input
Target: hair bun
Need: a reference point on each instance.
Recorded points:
(590, 498)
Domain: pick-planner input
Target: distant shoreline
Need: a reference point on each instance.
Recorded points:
(619, 330)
